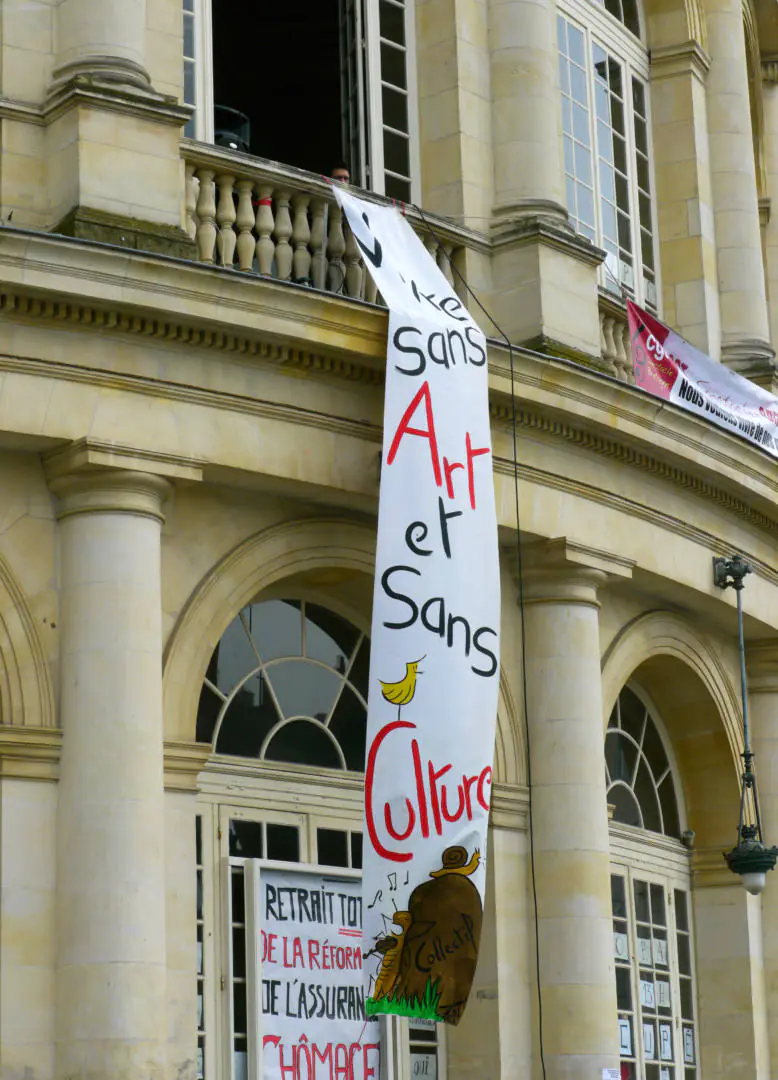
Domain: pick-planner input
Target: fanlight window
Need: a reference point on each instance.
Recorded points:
(288, 682)
(637, 769)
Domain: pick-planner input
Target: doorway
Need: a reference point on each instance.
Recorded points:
(282, 66)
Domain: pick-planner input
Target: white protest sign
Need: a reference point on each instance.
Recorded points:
(434, 669)
(313, 1003)
(669, 367)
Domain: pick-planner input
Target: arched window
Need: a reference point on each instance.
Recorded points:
(603, 72)
(651, 900)
(288, 682)
(637, 769)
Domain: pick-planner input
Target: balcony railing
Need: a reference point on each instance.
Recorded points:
(615, 348)
(278, 221)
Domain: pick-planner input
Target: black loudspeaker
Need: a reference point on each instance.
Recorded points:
(232, 129)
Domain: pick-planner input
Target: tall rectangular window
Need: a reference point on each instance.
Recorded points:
(606, 147)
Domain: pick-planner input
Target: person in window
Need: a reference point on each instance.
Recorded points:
(341, 172)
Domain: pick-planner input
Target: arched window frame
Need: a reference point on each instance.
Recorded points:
(271, 799)
(601, 28)
(673, 770)
(650, 864)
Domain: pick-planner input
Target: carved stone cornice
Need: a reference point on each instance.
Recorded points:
(564, 570)
(90, 457)
(19, 304)
(30, 753)
(540, 222)
(762, 666)
(754, 359)
(629, 455)
(670, 61)
(95, 91)
(710, 871)
(184, 762)
(769, 70)
(509, 807)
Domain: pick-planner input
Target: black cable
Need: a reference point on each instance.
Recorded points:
(519, 554)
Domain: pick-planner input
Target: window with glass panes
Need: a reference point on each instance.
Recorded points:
(603, 72)
(650, 881)
(654, 978)
(285, 691)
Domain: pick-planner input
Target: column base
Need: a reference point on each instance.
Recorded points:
(98, 160)
(113, 70)
(545, 282)
(85, 223)
(754, 359)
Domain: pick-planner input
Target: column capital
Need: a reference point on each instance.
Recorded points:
(688, 57)
(762, 666)
(93, 477)
(566, 571)
(107, 491)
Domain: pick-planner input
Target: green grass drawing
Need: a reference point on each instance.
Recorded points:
(425, 1006)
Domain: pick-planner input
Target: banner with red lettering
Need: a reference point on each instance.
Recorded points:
(669, 367)
(313, 1000)
(434, 669)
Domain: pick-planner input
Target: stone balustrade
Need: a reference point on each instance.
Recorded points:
(277, 221)
(614, 340)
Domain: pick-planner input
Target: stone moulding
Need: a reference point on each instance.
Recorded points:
(29, 753)
(647, 463)
(25, 306)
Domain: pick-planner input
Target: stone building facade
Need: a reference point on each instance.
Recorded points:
(190, 426)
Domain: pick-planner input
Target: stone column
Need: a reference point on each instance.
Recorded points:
(569, 807)
(684, 203)
(745, 335)
(528, 140)
(762, 660)
(770, 227)
(99, 37)
(111, 1004)
(544, 276)
(732, 1025)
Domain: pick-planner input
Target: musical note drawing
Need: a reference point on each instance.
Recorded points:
(407, 877)
(392, 882)
(378, 896)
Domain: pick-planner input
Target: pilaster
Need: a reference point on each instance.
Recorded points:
(762, 671)
(684, 197)
(544, 280)
(745, 335)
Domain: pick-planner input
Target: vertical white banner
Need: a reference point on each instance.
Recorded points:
(434, 670)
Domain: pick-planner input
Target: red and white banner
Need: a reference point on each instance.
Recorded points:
(313, 1009)
(434, 669)
(667, 366)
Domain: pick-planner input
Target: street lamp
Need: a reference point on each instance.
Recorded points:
(749, 858)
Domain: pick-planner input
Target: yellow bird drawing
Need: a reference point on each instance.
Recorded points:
(401, 693)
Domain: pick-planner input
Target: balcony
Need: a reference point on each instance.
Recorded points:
(272, 220)
(277, 221)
